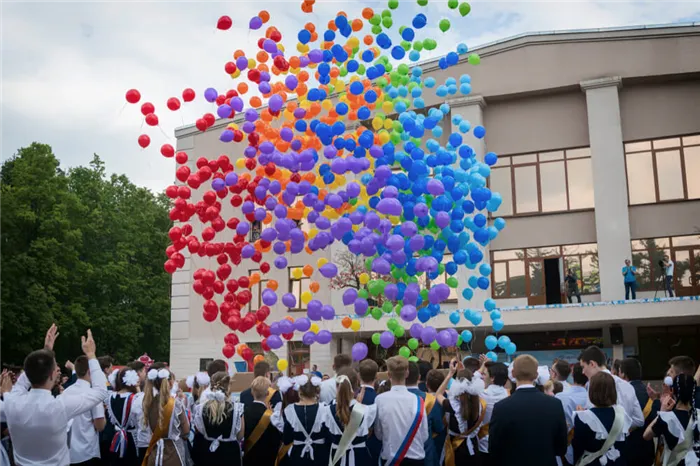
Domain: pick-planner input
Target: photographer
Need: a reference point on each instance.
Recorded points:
(668, 268)
(630, 274)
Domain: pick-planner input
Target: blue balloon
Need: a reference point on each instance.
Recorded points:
(491, 342)
(483, 283)
(499, 223)
(468, 293)
(510, 348)
(466, 336)
(495, 315)
(454, 318)
(492, 356)
(479, 132)
(489, 304)
(485, 270)
(503, 341)
(498, 325)
(476, 318)
(473, 281)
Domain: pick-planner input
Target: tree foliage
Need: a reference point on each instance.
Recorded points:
(84, 250)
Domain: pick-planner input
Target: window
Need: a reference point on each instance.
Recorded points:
(555, 181)
(203, 363)
(255, 230)
(256, 290)
(297, 286)
(663, 169)
(519, 273)
(442, 278)
(683, 250)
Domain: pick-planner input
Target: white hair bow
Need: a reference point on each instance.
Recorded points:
(510, 373)
(340, 379)
(316, 381)
(189, 381)
(300, 381)
(113, 377)
(668, 381)
(284, 384)
(202, 378)
(472, 387)
(542, 375)
(130, 378)
(218, 396)
(154, 374)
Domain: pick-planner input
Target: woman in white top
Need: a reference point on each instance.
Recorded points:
(124, 410)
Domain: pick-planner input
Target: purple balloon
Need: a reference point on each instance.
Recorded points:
(274, 342)
(435, 187)
(324, 337)
(309, 338)
(391, 291)
(276, 102)
(255, 22)
(442, 219)
(291, 82)
(390, 206)
(361, 306)
(231, 179)
(218, 184)
(237, 103)
(327, 312)
(420, 210)
(349, 296)
(328, 270)
(443, 338)
(359, 351)
(408, 313)
(428, 335)
(386, 339)
(241, 63)
(302, 324)
(288, 299)
(281, 261)
(210, 94)
(269, 298)
(223, 111)
(416, 330)
(381, 266)
(275, 329)
(286, 326)
(313, 310)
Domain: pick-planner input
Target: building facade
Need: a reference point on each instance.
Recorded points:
(598, 137)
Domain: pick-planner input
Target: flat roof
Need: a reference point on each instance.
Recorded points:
(526, 38)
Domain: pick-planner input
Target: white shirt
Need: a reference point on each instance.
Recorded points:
(571, 399)
(84, 439)
(526, 385)
(328, 391)
(492, 395)
(566, 385)
(396, 410)
(38, 422)
(627, 398)
(204, 396)
(669, 268)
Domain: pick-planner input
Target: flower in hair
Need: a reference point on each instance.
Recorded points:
(284, 384)
(152, 374)
(202, 378)
(316, 381)
(542, 375)
(113, 377)
(164, 374)
(189, 381)
(472, 387)
(340, 379)
(218, 395)
(300, 381)
(130, 378)
(668, 381)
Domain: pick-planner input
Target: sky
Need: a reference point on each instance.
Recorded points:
(66, 66)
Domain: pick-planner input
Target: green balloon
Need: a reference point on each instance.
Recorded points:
(429, 44)
(388, 67)
(352, 201)
(363, 293)
(375, 20)
(422, 2)
(464, 8)
(413, 344)
(396, 273)
(399, 332)
(386, 13)
(418, 45)
(435, 345)
(387, 22)
(405, 80)
(452, 282)
(376, 313)
(375, 338)
(387, 307)
(424, 294)
(404, 352)
(376, 30)
(452, 4)
(393, 4)
(392, 324)
(395, 138)
(459, 340)
(441, 268)
(403, 69)
(382, 82)
(413, 359)
(406, 45)
(361, 70)
(444, 25)
(474, 59)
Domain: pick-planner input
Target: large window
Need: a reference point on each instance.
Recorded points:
(442, 278)
(685, 253)
(519, 273)
(663, 169)
(298, 283)
(256, 290)
(554, 181)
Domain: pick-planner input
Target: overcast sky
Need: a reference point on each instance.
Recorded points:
(67, 66)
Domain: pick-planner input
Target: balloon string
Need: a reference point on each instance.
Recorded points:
(164, 134)
(121, 110)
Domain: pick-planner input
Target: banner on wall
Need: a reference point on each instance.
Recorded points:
(569, 355)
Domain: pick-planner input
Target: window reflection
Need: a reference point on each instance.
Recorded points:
(536, 271)
(526, 189)
(516, 271)
(692, 170)
(670, 176)
(500, 182)
(640, 178)
(553, 180)
(500, 280)
(580, 176)
(682, 259)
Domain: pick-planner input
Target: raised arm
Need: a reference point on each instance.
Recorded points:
(440, 393)
(74, 405)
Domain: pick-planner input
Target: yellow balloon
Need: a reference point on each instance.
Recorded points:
(340, 179)
(388, 124)
(296, 273)
(233, 126)
(326, 104)
(314, 328)
(321, 262)
(236, 74)
(388, 107)
(355, 326)
(282, 365)
(306, 297)
(377, 123)
(251, 63)
(240, 163)
(364, 278)
(280, 47)
(289, 116)
(302, 48)
(313, 232)
(384, 137)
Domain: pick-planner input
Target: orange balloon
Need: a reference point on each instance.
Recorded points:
(346, 322)
(314, 36)
(262, 56)
(272, 284)
(356, 24)
(332, 26)
(368, 40)
(258, 358)
(264, 15)
(367, 13)
(310, 27)
(238, 53)
(303, 76)
(255, 277)
(314, 287)
(294, 62)
(289, 318)
(307, 8)
(255, 101)
(308, 270)
(242, 88)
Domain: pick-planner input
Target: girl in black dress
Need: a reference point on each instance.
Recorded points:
(677, 423)
(219, 426)
(465, 414)
(340, 412)
(305, 435)
(124, 407)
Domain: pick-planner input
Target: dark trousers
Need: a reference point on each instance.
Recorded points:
(90, 462)
(669, 285)
(630, 287)
(573, 293)
(408, 462)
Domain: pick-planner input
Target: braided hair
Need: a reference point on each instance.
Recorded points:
(683, 389)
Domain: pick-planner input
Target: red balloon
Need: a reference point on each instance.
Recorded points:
(208, 234)
(250, 163)
(209, 118)
(170, 266)
(181, 173)
(175, 233)
(201, 124)
(224, 23)
(133, 96)
(181, 157)
(230, 67)
(186, 229)
(264, 267)
(210, 306)
(288, 336)
(193, 245)
(167, 150)
(209, 317)
(228, 351)
(174, 103)
(234, 322)
(152, 119)
(276, 35)
(188, 95)
(247, 354)
(184, 192)
(171, 191)
(144, 141)
(223, 272)
(147, 108)
(265, 347)
(231, 339)
(220, 100)
(218, 287)
(198, 286)
(194, 180)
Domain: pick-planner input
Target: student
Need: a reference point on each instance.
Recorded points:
(349, 423)
(124, 409)
(401, 422)
(465, 412)
(328, 389)
(84, 432)
(219, 426)
(434, 423)
(305, 434)
(261, 369)
(218, 365)
(262, 439)
(107, 434)
(677, 423)
(592, 361)
(495, 375)
(37, 421)
(164, 416)
(560, 372)
(639, 451)
(528, 428)
(424, 367)
(433, 380)
(573, 399)
(368, 376)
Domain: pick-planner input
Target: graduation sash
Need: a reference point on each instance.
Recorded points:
(258, 431)
(453, 443)
(161, 430)
(429, 405)
(120, 439)
(356, 416)
(647, 408)
(412, 431)
(282, 453)
(270, 393)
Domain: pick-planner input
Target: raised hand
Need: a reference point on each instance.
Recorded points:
(50, 339)
(653, 394)
(5, 382)
(70, 366)
(454, 365)
(88, 344)
(667, 403)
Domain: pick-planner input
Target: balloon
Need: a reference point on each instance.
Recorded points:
(492, 356)
(386, 340)
(503, 341)
(497, 325)
(404, 352)
(444, 25)
(359, 351)
(413, 344)
(466, 336)
(510, 348)
(376, 338)
(133, 96)
(224, 24)
(491, 342)
(282, 365)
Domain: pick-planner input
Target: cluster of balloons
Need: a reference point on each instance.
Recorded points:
(388, 189)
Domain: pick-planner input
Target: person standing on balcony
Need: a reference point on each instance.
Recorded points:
(572, 286)
(668, 267)
(630, 273)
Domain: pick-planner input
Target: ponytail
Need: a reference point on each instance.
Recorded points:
(157, 390)
(683, 387)
(347, 383)
(218, 405)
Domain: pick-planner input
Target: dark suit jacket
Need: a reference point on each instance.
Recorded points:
(527, 429)
(246, 397)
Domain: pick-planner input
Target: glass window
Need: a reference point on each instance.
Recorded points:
(297, 286)
(550, 156)
(500, 280)
(640, 178)
(691, 140)
(666, 143)
(255, 230)
(590, 274)
(526, 189)
(578, 153)
(500, 182)
(691, 156)
(670, 176)
(516, 273)
(504, 255)
(502, 161)
(544, 252)
(536, 275)
(679, 241)
(682, 267)
(638, 146)
(553, 182)
(580, 177)
(640, 259)
(572, 249)
(525, 158)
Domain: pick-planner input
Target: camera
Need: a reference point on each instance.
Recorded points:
(661, 263)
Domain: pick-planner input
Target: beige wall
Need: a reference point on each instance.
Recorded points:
(659, 220)
(546, 230)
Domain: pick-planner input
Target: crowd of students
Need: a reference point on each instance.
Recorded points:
(478, 412)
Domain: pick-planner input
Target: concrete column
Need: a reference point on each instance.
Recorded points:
(472, 109)
(609, 183)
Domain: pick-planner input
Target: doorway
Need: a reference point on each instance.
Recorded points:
(686, 271)
(552, 280)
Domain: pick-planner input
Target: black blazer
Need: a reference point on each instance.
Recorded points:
(527, 429)
(246, 397)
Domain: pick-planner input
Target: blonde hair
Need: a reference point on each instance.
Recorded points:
(397, 367)
(162, 395)
(260, 387)
(217, 409)
(345, 393)
(525, 368)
